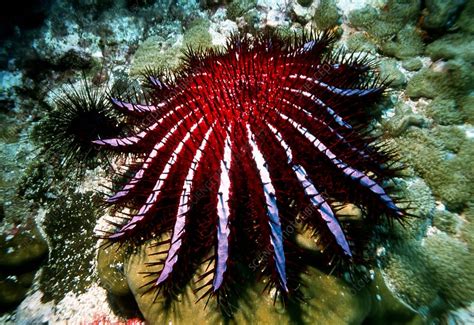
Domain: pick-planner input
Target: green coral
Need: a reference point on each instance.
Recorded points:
(433, 277)
(327, 15)
(433, 274)
(406, 44)
(390, 71)
(162, 54)
(451, 264)
(444, 111)
(361, 41)
(447, 221)
(197, 35)
(447, 173)
(392, 27)
(422, 204)
(157, 53)
(452, 138)
(403, 119)
(409, 276)
(387, 21)
(467, 232)
(305, 3)
(452, 46)
(439, 14)
(454, 79)
(464, 22)
(467, 107)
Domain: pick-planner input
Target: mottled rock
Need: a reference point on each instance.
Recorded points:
(240, 8)
(22, 248)
(384, 23)
(133, 4)
(13, 288)
(413, 64)
(23, 15)
(302, 14)
(73, 59)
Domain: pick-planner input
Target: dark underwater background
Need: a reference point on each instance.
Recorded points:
(52, 270)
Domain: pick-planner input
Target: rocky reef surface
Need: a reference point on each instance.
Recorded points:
(52, 268)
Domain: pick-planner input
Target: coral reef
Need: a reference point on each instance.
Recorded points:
(326, 15)
(392, 26)
(424, 47)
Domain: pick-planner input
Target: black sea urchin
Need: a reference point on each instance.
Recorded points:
(237, 143)
(81, 115)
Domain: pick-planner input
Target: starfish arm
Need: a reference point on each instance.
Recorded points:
(152, 199)
(276, 238)
(310, 119)
(223, 212)
(162, 124)
(316, 198)
(151, 158)
(339, 120)
(353, 173)
(183, 209)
